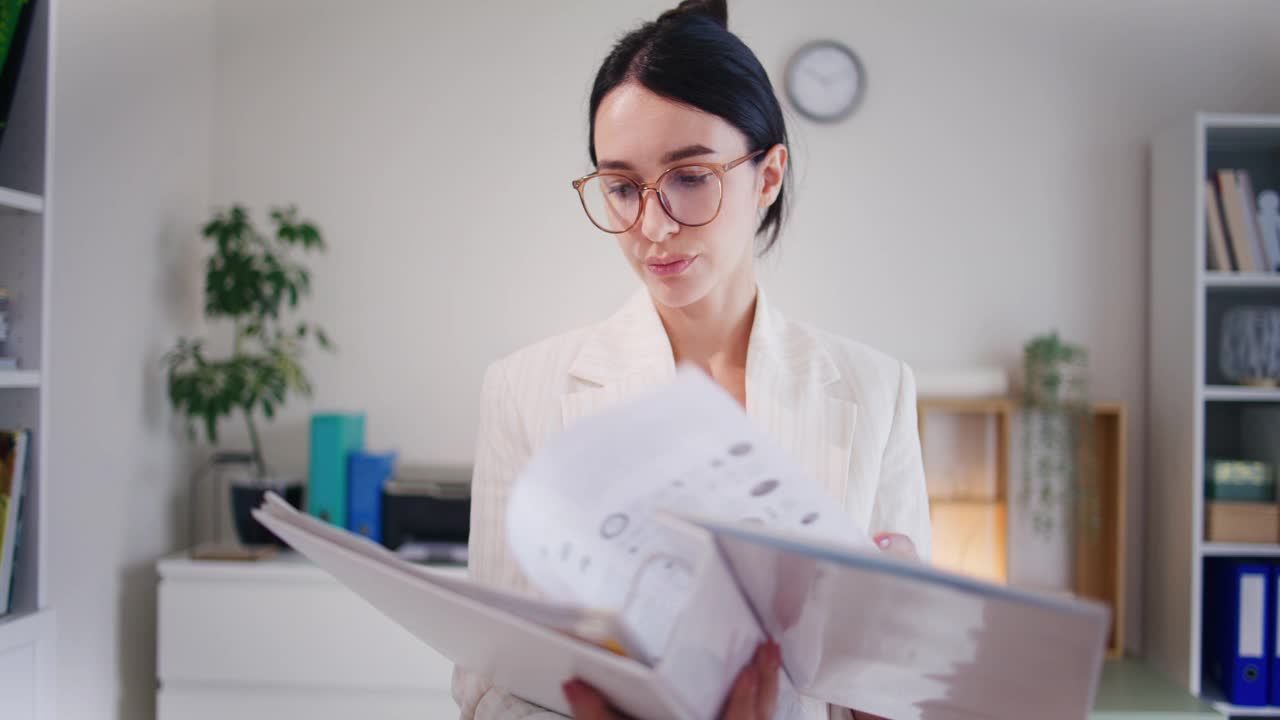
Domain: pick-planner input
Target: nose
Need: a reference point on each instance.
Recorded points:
(655, 223)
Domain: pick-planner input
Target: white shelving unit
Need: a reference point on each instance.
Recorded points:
(10, 379)
(1230, 393)
(1245, 281)
(16, 201)
(1209, 549)
(1193, 410)
(27, 632)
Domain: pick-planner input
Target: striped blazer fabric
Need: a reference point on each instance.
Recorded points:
(846, 412)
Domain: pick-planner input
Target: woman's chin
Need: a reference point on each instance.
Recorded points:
(675, 294)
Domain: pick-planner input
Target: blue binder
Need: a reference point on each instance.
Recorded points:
(1238, 598)
(367, 473)
(1273, 632)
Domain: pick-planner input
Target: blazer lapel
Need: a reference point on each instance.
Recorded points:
(626, 354)
(790, 378)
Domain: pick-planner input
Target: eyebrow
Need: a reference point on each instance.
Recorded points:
(683, 153)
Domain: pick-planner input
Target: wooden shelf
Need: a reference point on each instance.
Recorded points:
(970, 532)
(1240, 393)
(16, 200)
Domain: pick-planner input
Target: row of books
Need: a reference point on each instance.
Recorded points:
(6, 363)
(14, 446)
(1241, 237)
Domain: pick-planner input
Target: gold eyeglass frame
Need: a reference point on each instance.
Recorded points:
(718, 169)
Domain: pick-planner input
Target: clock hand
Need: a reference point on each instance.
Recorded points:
(813, 72)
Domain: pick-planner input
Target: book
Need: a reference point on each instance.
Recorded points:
(1270, 254)
(1219, 252)
(13, 463)
(667, 537)
(1244, 245)
(1239, 480)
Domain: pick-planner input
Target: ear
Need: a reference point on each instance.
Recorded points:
(773, 168)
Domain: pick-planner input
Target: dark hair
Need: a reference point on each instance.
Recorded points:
(688, 55)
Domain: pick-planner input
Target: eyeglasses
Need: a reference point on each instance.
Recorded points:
(689, 194)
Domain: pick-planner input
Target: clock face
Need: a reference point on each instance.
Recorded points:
(824, 81)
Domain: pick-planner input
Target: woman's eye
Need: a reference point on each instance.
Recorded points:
(621, 189)
(692, 179)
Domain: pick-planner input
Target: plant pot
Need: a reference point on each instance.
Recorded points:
(245, 497)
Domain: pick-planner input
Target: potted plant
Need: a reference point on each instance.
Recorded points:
(1057, 489)
(253, 282)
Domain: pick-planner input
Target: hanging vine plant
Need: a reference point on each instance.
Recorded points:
(1058, 473)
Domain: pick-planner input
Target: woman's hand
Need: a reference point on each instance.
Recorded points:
(897, 544)
(754, 695)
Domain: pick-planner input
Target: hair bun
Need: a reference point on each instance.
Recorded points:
(716, 10)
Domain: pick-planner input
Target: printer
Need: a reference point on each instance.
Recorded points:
(426, 512)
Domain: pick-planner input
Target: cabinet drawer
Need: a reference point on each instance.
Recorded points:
(26, 666)
(221, 703)
(289, 633)
(18, 683)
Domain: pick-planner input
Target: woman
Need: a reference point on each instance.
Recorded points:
(690, 150)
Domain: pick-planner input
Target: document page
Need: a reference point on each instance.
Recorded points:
(581, 520)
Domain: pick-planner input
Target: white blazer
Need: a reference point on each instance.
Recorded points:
(846, 412)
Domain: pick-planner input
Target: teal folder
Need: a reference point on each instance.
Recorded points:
(333, 437)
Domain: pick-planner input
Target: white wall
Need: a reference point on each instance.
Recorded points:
(130, 182)
(992, 186)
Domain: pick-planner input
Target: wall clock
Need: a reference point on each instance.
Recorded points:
(825, 81)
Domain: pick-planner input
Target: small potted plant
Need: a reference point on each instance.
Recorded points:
(253, 282)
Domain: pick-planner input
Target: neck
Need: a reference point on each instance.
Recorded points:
(713, 332)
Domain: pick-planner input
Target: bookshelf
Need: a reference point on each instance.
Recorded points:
(27, 632)
(1194, 412)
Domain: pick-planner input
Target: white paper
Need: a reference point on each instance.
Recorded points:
(581, 520)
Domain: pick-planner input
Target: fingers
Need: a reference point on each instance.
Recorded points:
(897, 545)
(768, 659)
(586, 703)
(741, 704)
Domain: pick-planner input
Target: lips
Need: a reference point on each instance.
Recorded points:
(669, 266)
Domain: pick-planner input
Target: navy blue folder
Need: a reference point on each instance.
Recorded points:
(1239, 629)
(1273, 630)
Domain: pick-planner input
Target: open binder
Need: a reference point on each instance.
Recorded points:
(657, 588)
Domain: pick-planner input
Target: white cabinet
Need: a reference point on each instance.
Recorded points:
(26, 667)
(281, 638)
